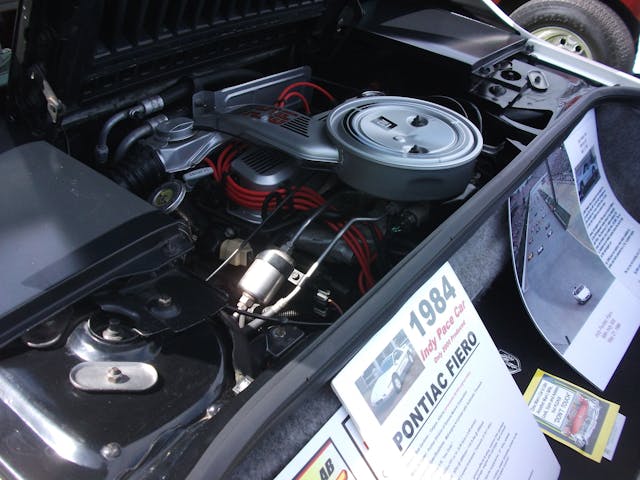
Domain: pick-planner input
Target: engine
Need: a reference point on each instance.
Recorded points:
(297, 180)
(257, 217)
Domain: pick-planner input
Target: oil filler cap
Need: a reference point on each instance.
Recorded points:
(175, 129)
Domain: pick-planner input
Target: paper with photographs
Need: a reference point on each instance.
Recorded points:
(576, 256)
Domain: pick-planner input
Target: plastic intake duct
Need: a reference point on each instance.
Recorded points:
(396, 148)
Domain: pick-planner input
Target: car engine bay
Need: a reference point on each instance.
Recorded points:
(250, 204)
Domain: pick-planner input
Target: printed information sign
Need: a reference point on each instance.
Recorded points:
(432, 398)
(576, 253)
(614, 233)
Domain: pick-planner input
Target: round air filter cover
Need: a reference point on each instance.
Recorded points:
(403, 148)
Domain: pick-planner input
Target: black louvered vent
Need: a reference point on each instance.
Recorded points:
(100, 48)
(299, 125)
(101, 53)
(131, 23)
(117, 71)
(263, 162)
(262, 169)
(145, 40)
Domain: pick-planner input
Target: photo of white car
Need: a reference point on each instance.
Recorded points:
(587, 174)
(581, 294)
(395, 369)
(389, 376)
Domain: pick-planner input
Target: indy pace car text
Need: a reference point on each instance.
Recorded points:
(441, 338)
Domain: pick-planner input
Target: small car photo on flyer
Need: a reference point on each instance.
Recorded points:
(587, 173)
(388, 377)
(570, 414)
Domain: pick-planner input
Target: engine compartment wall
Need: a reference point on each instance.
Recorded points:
(619, 141)
(292, 387)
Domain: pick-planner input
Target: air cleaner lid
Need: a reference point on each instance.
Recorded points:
(404, 132)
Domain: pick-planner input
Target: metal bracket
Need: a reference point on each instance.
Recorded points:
(295, 277)
(54, 105)
(243, 381)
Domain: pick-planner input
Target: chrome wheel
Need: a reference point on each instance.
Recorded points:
(565, 39)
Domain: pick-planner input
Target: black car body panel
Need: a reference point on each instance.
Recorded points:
(187, 127)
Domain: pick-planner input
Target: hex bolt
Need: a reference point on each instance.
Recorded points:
(295, 276)
(114, 332)
(164, 301)
(213, 410)
(279, 332)
(111, 450)
(419, 121)
(115, 375)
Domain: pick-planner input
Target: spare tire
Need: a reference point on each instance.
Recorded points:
(585, 27)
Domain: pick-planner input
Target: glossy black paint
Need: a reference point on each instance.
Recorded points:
(68, 232)
(52, 430)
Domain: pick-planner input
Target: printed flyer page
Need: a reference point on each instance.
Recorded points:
(432, 398)
(575, 299)
(614, 233)
(572, 415)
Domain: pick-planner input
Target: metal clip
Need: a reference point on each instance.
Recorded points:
(242, 382)
(54, 105)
